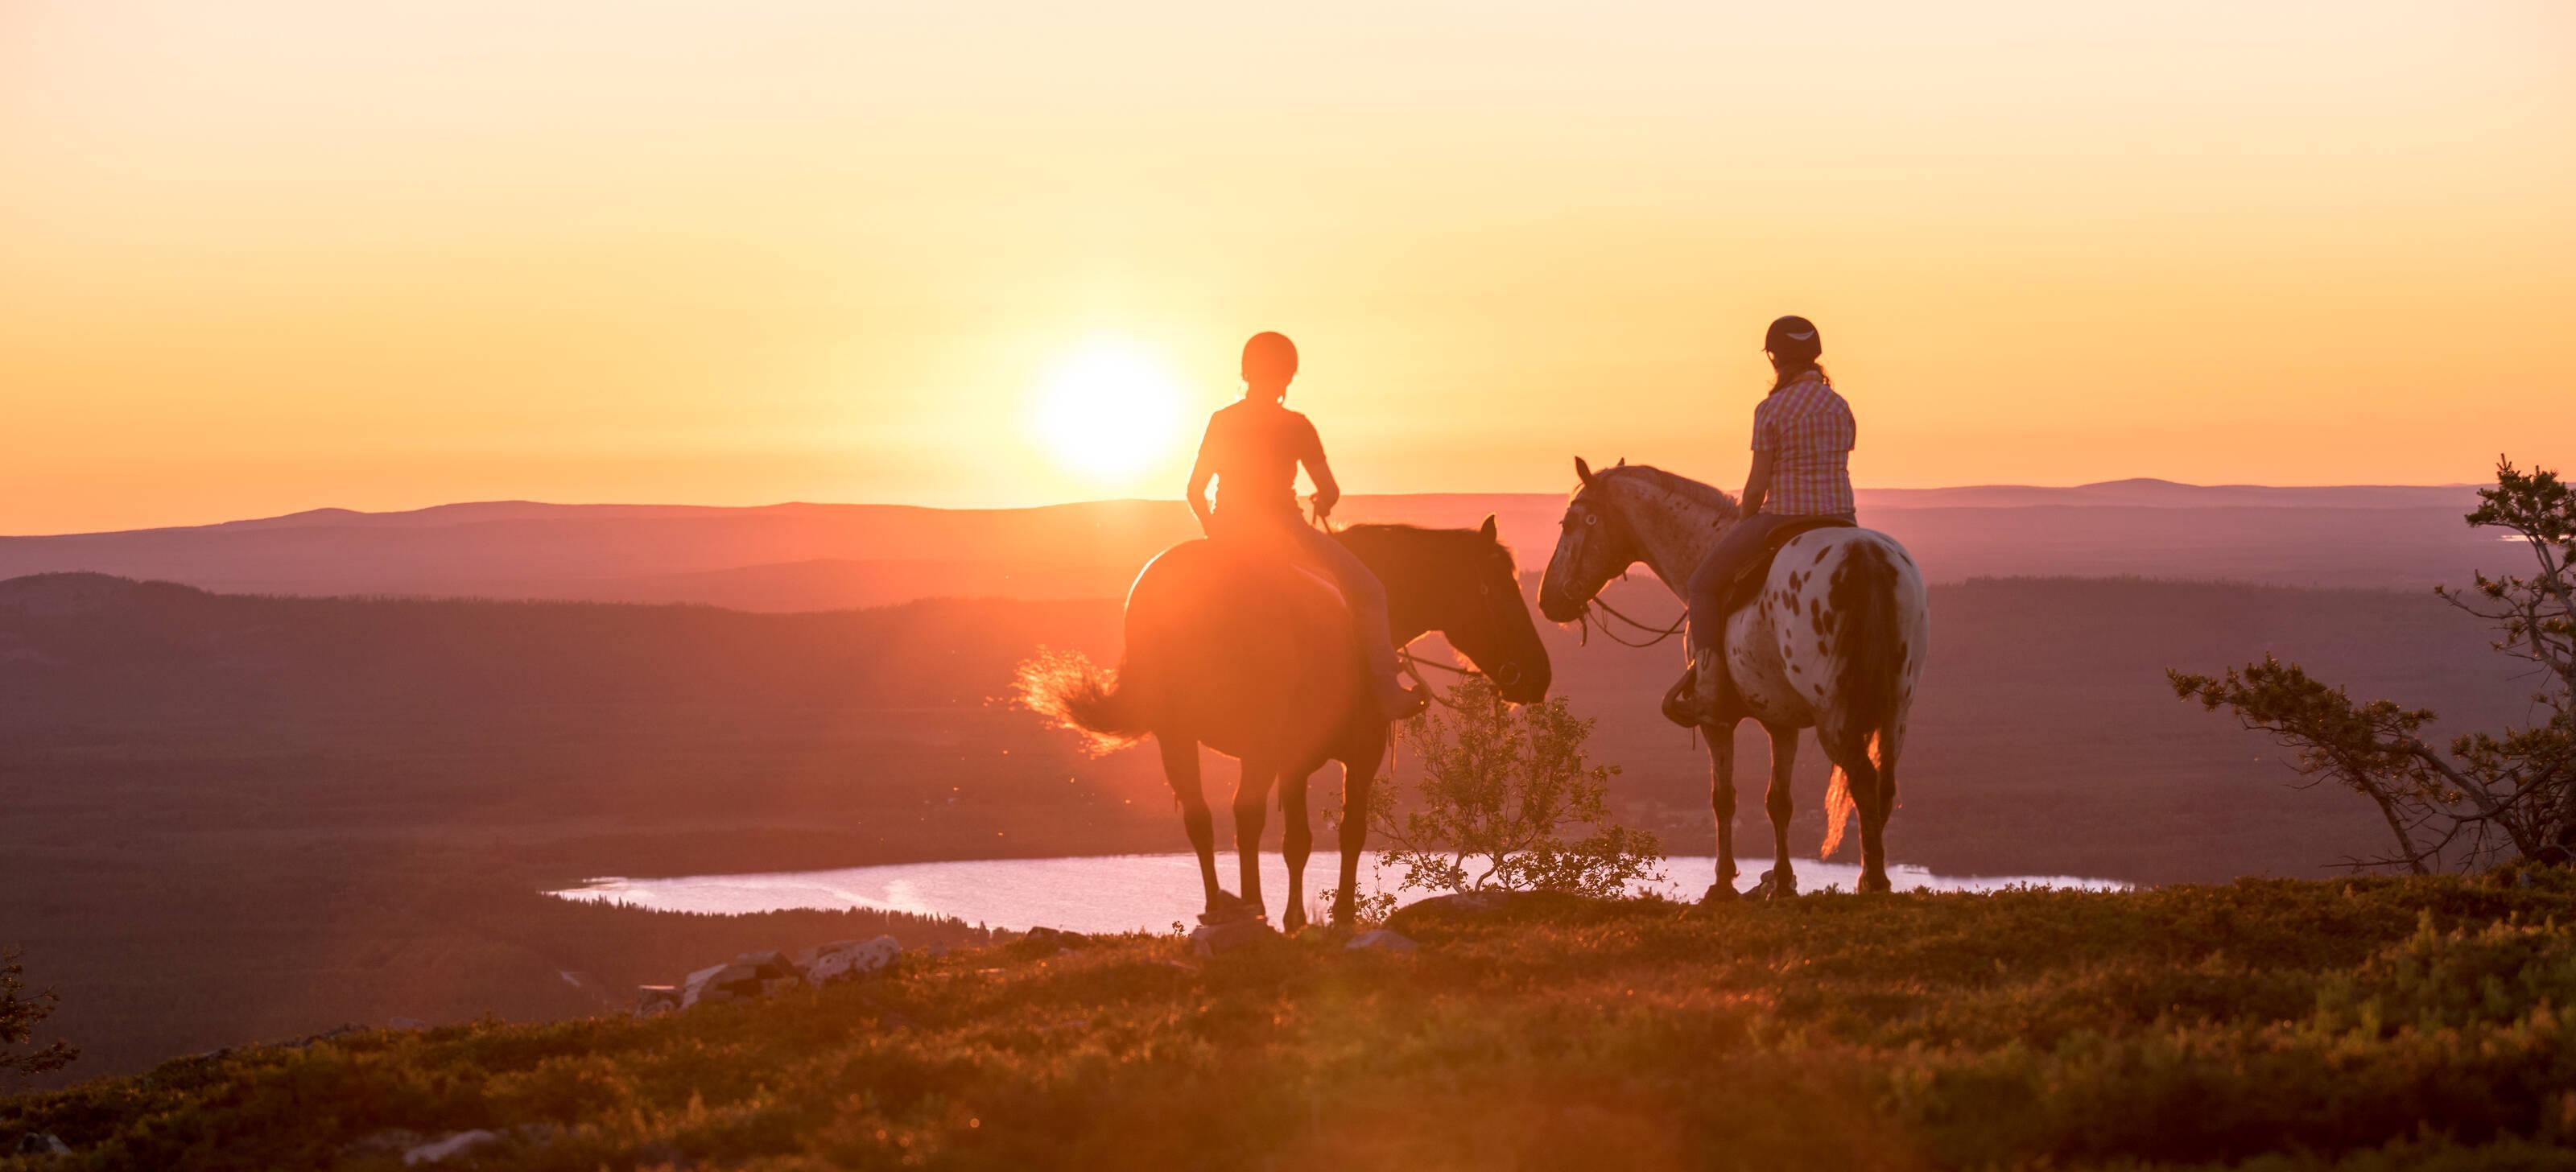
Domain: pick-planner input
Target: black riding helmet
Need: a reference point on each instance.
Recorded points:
(1793, 337)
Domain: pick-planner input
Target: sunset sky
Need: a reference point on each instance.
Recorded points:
(258, 257)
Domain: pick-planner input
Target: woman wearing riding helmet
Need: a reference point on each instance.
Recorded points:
(1803, 435)
(1253, 449)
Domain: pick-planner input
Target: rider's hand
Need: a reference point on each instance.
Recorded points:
(1322, 504)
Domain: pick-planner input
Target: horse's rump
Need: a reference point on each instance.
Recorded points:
(1241, 642)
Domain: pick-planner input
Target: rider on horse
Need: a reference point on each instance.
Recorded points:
(1803, 435)
(1252, 450)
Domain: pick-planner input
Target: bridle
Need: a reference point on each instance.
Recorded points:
(1592, 518)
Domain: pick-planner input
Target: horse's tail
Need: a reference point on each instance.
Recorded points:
(1872, 678)
(1109, 710)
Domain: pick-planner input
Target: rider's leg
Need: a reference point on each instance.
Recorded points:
(1709, 586)
(1366, 597)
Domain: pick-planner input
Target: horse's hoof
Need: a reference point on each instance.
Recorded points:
(1719, 892)
(1875, 883)
(1776, 884)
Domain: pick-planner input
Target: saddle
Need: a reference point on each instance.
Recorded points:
(1748, 581)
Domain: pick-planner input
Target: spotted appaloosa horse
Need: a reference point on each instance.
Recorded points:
(1835, 642)
(1241, 651)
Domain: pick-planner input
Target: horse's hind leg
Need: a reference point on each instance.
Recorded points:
(1784, 761)
(1297, 842)
(1251, 795)
(1359, 772)
(1721, 803)
(1181, 768)
(1873, 791)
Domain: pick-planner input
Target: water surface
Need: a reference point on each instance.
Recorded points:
(1124, 893)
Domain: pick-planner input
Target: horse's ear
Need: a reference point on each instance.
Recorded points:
(1623, 462)
(1490, 528)
(1582, 470)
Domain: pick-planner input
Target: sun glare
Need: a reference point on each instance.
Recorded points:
(1108, 411)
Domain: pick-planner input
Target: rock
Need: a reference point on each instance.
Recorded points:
(766, 965)
(734, 981)
(457, 1144)
(1219, 939)
(772, 986)
(844, 960)
(42, 1143)
(1382, 940)
(655, 1000)
(405, 1023)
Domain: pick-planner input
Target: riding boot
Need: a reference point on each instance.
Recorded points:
(1705, 694)
(1403, 703)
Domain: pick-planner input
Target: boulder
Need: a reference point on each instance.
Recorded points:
(766, 965)
(42, 1143)
(734, 981)
(1381, 940)
(655, 1000)
(453, 1145)
(844, 960)
(1219, 939)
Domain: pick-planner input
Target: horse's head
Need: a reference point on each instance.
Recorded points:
(1461, 583)
(1593, 546)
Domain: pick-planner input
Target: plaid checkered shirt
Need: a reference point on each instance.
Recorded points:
(1809, 431)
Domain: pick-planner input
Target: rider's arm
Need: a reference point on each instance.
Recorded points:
(1757, 483)
(1200, 474)
(1328, 492)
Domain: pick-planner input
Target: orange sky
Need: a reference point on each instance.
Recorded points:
(258, 257)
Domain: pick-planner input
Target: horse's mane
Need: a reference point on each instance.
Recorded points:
(1707, 496)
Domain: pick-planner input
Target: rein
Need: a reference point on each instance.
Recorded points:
(1680, 622)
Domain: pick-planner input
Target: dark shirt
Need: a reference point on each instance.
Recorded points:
(1254, 448)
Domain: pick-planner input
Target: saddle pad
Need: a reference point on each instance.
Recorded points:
(1748, 582)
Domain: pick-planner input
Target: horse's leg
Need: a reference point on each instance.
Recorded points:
(1296, 842)
(1181, 768)
(1251, 797)
(1871, 795)
(1721, 803)
(1359, 771)
(1784, 760)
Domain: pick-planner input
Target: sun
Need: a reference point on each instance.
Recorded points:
(1108, 411)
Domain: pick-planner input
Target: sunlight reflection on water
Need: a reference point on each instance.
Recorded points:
(1121, 893)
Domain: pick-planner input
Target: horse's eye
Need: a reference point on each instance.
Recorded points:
(1592, 518)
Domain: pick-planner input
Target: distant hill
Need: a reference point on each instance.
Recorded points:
(817, 557)
(341, 810)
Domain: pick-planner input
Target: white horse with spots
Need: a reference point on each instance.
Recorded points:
(1834, 642)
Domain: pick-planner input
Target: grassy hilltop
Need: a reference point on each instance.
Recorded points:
(2372, 1023)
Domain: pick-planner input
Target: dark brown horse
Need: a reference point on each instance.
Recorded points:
(1241, 651)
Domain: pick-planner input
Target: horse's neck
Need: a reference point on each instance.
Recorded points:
(1406, 608)
(1673, 531)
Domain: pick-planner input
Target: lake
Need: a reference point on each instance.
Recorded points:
(1126, 893)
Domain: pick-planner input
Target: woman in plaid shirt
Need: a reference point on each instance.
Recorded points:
(1802, 442)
